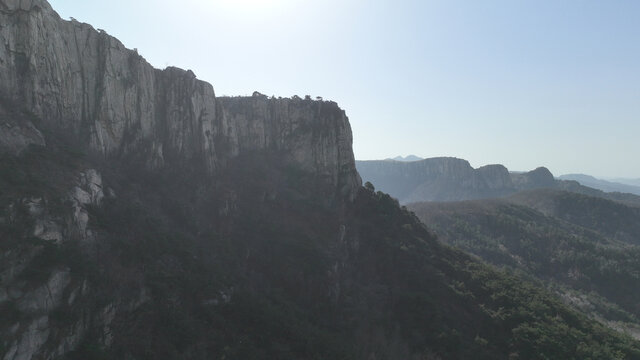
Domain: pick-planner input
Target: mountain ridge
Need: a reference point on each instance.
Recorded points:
(582, 247)
(600, 184)
(454, 179)
(447, 179)
(407, 158)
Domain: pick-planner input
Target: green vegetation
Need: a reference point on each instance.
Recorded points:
(265, 262)
(447, 300)
(575, 253)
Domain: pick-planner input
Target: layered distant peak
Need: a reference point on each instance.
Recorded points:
(407, 158)
(449, 179)
(538, 178)
(496, 176)
(607, 186)
(577, 177)
(435, 179)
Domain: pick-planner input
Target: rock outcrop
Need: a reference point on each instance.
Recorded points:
(313, 134)
(17, 131)
(538, 178)
(35, 295)
(86, 82)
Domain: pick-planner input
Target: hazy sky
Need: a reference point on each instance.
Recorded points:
(522, 83)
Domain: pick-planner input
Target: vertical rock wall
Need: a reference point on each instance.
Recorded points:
(86, 82)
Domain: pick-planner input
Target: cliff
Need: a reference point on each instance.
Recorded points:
(87, 83)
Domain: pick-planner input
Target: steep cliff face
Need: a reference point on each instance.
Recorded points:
(496, 177)
(538, 178)
(86, 82)
(314, 134)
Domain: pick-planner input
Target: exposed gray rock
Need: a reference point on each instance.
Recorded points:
(83, 80)
(30, 341)
(15, 138)
(48, 230)
(37, 300)
(71, 341)
(87, 192)
(48, 296)
(13, 262)
(315, 135)
(45, 227)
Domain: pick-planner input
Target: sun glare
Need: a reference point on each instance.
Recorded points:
(255, 7)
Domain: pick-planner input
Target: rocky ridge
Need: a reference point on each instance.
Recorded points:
(86, 82)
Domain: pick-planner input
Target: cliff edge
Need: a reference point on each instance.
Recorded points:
(85, 82)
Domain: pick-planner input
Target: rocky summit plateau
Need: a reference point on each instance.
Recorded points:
(143, 217)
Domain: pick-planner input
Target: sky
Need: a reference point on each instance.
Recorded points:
(524, 83)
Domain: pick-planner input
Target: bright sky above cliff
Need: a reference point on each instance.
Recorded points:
(522, 83)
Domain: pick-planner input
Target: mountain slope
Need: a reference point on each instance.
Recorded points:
(586, 245)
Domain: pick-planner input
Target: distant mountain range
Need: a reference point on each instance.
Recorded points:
(407, 158)
(634, 182)
(604, 185)
(453, 179)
